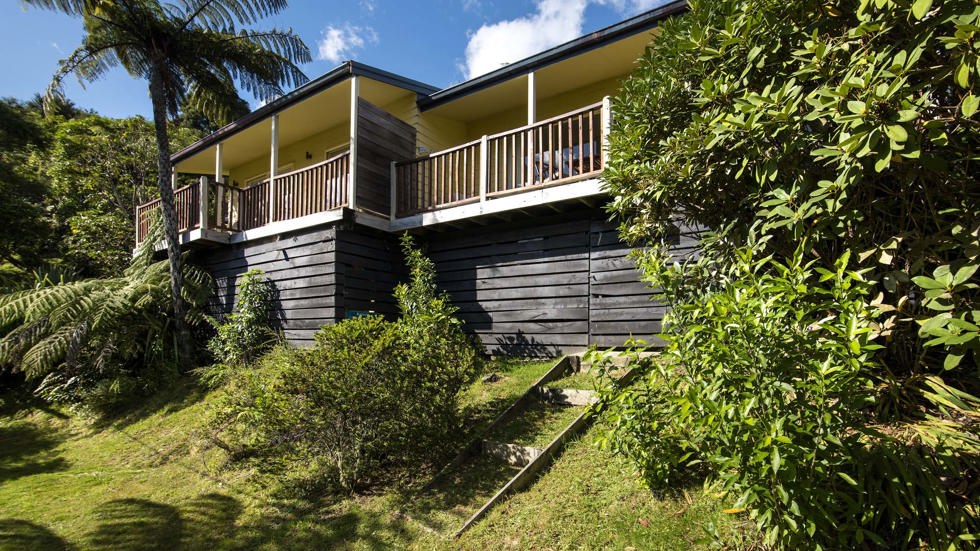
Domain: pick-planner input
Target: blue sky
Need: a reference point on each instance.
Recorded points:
(439, 42)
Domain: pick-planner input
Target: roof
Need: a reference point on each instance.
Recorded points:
(428, 96)
(629, 27)
(343, 72)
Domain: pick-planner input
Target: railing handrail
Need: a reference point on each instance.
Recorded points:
(309, 167)
(526, 127)
(439, 153)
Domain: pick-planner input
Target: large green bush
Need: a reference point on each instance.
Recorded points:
(99, 341)
(371, 401)
(824, 343)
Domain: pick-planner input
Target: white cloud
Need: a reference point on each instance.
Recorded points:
(472, 5)
(556, 21)
(339, 43)
(631, 7)
(367, 5)
(495, 45)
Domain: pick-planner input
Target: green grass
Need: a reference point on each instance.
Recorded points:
(149, 481)
(537, 425)
(580, 380)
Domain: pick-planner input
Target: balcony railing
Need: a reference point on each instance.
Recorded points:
(309, 190)
(560, 150)
(557, 151)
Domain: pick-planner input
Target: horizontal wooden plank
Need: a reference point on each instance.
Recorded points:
(522, 304)
(623, 301)
(620, 289)
(543, 327)
(525, 339)
(625, 327)
(528, 283)
(551, 314)
(543, 267)
(643, 311)
(520, 293)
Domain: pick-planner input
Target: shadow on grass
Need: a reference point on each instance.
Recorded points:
(184, 392)
(21, 535)
(459, 493)
(29, 449)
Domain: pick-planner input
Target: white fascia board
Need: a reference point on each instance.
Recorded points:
(576, 190)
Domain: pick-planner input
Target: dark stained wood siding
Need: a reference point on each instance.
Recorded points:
(546, 287)
(381, 139)
(369, 264)
(523, 290)
(540, 287)
(302, 268)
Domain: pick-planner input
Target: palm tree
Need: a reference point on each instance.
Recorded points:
(192, 53)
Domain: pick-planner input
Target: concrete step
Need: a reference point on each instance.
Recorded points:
(615, 359)
(566, 396)
(512, 454)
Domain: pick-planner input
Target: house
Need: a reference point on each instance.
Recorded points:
(497, 176)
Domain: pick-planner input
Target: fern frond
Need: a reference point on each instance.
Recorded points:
(47, 353)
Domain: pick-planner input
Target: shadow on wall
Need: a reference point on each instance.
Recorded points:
(520, 345)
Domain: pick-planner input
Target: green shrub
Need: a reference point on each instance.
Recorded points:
(247, 332)
(372, 401)
(770, 371)
(851, 127)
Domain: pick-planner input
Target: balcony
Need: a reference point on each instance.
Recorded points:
(535, 164)
(558, 151)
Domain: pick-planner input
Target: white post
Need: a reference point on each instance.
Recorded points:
(219, 191)
(273, 164)
(355, 85)
(394, 191)
(219, 167)
(202, 203)
(484, 167)
(606, 124)
(532, 111)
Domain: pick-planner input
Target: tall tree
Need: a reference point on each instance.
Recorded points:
(21, 214)
(191, 52)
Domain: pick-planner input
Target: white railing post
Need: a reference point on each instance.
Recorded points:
(484, 167)
(355, 92)
(394, 191)
(273, 167)
(606, 124)
(202, 203)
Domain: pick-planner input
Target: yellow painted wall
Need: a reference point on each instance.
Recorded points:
(498, 122)
(575, 99)
(295, 153)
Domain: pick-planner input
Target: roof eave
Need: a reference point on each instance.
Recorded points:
(564, 51)
(339, 74)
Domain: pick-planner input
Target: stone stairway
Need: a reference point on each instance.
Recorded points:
(531, 433)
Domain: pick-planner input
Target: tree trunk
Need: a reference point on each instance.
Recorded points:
(169, 216)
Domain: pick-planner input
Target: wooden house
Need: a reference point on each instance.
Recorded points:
(499, 177)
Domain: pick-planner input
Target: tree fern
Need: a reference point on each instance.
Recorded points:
(95, 329)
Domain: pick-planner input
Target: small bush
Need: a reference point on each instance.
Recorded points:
(246, 333)
(371, 401)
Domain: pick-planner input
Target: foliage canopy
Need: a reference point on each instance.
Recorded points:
(825, 341)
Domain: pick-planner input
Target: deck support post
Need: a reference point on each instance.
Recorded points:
(202, 203)
(273, 165)
(355, 91)
(606, 125)
(484, 168)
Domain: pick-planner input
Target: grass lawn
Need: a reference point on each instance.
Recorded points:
(148, 482)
